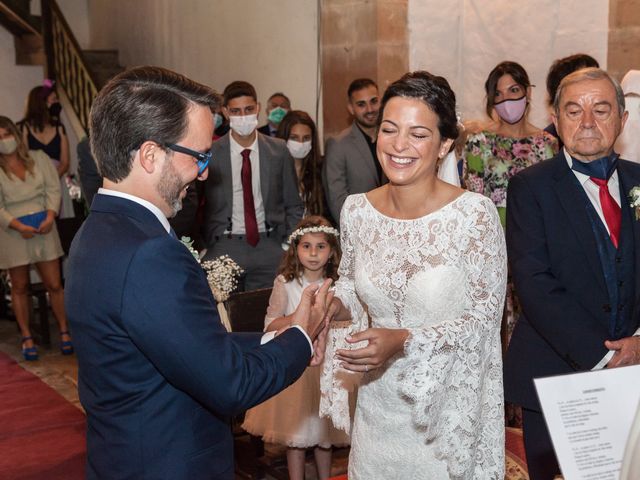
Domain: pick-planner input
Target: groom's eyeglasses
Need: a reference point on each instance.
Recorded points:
(201, 158)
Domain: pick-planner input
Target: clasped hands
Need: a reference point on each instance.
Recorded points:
(322, 308)
(27, 231)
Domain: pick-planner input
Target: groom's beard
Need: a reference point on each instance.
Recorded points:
(170, 187)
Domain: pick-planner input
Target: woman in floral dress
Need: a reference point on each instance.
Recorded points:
(502, 148)
(509, 143)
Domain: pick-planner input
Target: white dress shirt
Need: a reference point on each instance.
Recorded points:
(140, 201)
(237, 211)
(165, 223)
(593, 192)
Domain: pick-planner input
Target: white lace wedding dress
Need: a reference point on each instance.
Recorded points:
(435, 411)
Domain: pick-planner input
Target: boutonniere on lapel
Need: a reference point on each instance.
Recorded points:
(634, 198)
(187, 242)
(222, 275)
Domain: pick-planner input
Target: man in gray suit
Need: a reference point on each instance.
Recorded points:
(252, 199)
(351, 165)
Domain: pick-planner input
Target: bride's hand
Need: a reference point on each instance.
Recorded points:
(383, 344)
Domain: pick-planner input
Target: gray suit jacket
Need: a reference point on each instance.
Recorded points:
(280, 196)
(348, 168)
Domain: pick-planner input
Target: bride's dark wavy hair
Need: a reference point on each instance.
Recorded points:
(431, 89)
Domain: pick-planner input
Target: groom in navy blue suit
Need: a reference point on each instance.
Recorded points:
(159, 376)
(573, 244)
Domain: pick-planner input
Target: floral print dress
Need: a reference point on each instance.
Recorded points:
(490, 160)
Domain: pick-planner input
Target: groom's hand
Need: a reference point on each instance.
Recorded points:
(311, 311)
(320, 345)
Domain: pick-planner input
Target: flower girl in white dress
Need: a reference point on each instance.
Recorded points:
(291, 418)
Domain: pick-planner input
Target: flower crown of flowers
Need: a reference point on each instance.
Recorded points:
(319, 229)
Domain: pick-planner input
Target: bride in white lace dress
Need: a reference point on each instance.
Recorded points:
(423, 278)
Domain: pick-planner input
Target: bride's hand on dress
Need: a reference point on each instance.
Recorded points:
(383, 344)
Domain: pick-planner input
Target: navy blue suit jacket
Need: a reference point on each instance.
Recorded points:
(159, 376)
(558, 276)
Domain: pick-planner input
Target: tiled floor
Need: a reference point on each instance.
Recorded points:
(61, 373)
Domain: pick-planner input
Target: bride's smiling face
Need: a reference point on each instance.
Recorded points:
(409, 142)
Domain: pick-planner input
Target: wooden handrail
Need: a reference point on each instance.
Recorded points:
(66, 64)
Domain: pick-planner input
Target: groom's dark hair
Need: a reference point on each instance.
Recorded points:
(138, 105)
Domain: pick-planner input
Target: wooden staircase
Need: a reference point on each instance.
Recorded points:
(48, 41)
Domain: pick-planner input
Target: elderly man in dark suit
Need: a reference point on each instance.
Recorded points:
(351, 164)
(573, 244)
(252, 199)
(159, 376)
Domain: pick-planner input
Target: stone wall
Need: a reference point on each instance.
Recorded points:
(624, 37)
(360, 38)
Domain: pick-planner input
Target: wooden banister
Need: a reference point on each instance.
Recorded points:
(66, 64)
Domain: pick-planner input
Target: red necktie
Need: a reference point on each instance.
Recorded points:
(611, 210)
(250, 222)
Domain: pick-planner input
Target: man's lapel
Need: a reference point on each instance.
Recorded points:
(225, 169)
(629, 177)
(265, 170)
(575, 203)
(363, 149)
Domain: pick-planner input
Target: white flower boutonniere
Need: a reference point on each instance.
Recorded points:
(634, 198)
(187, 242)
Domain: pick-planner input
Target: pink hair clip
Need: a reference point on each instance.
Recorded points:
(48, 83)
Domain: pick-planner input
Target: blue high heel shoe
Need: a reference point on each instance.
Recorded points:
(30, 354)
(66, 348)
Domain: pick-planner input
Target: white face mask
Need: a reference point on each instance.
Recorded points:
(299, 149)
(8, 145)
(244, 125)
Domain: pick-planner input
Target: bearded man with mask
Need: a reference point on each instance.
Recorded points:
(572, 242)
(252, 200)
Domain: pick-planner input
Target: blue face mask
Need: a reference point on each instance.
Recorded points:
(217, 120)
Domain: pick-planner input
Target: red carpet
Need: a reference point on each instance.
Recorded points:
(42, 436)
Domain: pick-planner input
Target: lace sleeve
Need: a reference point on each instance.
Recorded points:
(336, 382)
(460, 360)
(277, 301)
